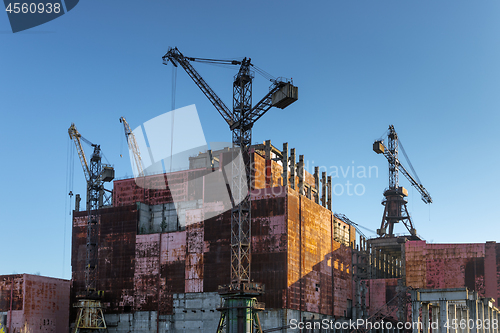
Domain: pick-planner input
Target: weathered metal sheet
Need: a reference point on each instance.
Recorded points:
(39, 304)
(314, 256)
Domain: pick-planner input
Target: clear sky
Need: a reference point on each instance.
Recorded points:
(431, 68)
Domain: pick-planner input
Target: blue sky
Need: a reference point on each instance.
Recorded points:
(431, 68)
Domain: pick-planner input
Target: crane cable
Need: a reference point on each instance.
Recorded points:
(70, 162)
(174, 86)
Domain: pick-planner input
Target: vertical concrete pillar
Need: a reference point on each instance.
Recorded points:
(329, 185)
(425, 317)
(487, 316)
(443, 316)
(268, 164)
(415, 311)
(316, 184)
(472, 307)
(301, 174)
(480, 317)
(435, 318)
(459, 318)
(284, 153)
(452, 317)
(465, 318)
(292, 168)
(323, 189)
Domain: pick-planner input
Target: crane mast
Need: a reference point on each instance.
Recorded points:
(90, 315)
(239, 314)
(395, 203)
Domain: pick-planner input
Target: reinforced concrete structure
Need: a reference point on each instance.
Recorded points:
(163, 252)
(33, 303)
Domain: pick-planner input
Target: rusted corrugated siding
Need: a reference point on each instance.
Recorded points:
(40, 304)
(11, 284)
(158, 189)
(438, 266)
(269, 243)
(381, 297)
(416, 253)
(46, 304)
(118, 228)
(311, 253)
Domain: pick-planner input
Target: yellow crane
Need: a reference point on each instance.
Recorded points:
(133, 148)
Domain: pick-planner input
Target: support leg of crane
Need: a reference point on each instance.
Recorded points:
(90, 316)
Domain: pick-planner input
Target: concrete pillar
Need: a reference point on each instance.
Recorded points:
(487, 316)
(316, 184)
(472, 306)
(323, 189)
(329, 186)
(465, 318)
(425, 318)
(480, 317)
(434, 318)
(452, 317)
(458, 311)
(443, 316)
(284, 153)
(292, 168)
(301, 174)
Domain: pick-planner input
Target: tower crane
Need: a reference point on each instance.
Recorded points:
(395, 203)
(239, 313)
(133, 148)
(90, 315)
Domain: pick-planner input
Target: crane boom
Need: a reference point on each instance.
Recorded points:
(426, 197)
(133, 147)
(77, 137)
(177, 58)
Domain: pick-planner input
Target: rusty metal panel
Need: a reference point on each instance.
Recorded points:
(39, 303)
(46, 304)
(11, 284)
(313, 255)
(194, 251)
(118, 228)
(490, 271)
(415, 256)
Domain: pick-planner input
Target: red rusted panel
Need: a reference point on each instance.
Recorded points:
(381, 297)
(46, 304)
(118, 229)
(438, 266)
(490, 270)
(11, 284)
(313, 255)
(40, 304)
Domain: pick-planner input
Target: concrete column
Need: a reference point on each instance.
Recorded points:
(459, 318)
(425, 318)
(435, 318)
(487, 316)
(415, 311)
(480, 317)
(292, 168)
(472, 306)
(323, 189)
(284, 153)
(452, 317)
(316, 184)
(301, 174)
(465, 318)
(443, 316)
(329, 186)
